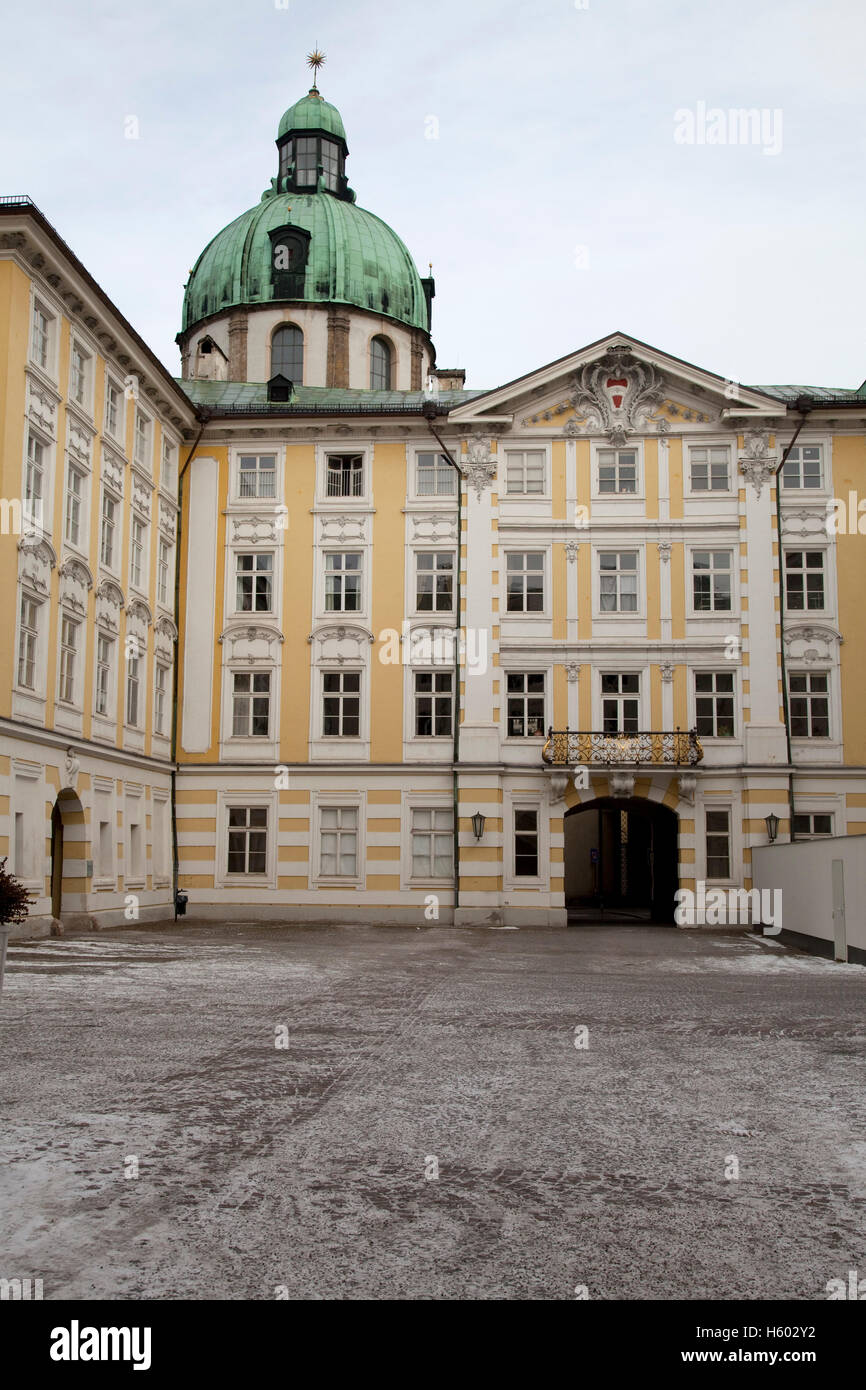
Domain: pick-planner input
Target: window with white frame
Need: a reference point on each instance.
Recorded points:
(254, 582)
(714, 704)
(338, 841)
(247, 840)
(718, 844)
(524, 471)
(813, 825)
(133, 689)
(617, 470)
(710, 468)
(434, 581)
(341, 704)
(433, 703)
(104, 672)
(142, 448)
(804, 580)
(75, 485)
(345, 475)
(257, 475)
(343, 579)
(40, 338)
(804, 467)
(168, 471)
(108, 530)
(526, 843)
(163, 570)
(431, 830)
(251, 704)
(137, 547)
(34, 479)
(809, 704)
(711, 581)
(160, 698)
(617, 584)
(70, 632)
(525, 703)
(620, 702)
(113, 408)
(434, 476)
(78, 369)
(524, 578)
(28, 642)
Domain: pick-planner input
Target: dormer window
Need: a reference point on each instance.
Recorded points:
(211, 363)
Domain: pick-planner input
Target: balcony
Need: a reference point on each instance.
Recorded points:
(571, 748)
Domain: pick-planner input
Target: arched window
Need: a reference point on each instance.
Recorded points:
(380, 365)
(287, 353)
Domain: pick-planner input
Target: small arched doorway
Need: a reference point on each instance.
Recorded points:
(621, 857)
(68, 855)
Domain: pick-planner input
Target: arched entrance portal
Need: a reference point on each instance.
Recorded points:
(621, 856)
(68, 851)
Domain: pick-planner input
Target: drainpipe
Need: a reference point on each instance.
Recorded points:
(430, 415)
(804, 408)
(202, 417)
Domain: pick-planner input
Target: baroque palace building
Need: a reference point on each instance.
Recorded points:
(228, 661)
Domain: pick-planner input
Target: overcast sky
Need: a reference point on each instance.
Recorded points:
(556, 203)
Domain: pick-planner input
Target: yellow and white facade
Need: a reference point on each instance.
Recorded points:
(361, 645)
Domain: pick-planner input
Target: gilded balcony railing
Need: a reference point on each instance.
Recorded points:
(569, 748)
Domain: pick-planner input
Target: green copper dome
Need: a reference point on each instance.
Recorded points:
(339, 253)
(312, 112)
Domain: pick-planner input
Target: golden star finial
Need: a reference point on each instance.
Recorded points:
(315, 61)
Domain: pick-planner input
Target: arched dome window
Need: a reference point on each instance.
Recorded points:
(287, 353)
(380, 365)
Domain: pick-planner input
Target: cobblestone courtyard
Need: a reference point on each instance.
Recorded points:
(310, 1167)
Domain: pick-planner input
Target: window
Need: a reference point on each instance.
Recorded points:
(254, 578)
(617, 470)
(330, 164)
(136, 551)
(306, 159)
(341, 704)
(808, 696)
(168, 472)
(133, 679)
(710, 469)
(345, 475)
(68, 645)
(711, 581)
(619, 703)
(434, 581)
(718, 842)
(338, 851)
(714, 703)
(433, 699)
(74, 497)
(526, 844)
(142, 446)
(525, 582)
(247, 840)
(34, 477)
(159, 699)
(343, 582)
(432, 836)
(163, 568)
(104, 664)
(803, 467)
(257, 475)
(107, 530)
(813, 825)
(434, 476)
(380, 365)
(28, 637)
(78, 374)
(617, 581)
(251, 704)
(525, 704)
(524, 471)
(113, 408)
(287, 353)
(40, 341)
(804, 579)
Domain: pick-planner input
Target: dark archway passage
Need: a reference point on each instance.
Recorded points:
(621, 856)
(68, 851)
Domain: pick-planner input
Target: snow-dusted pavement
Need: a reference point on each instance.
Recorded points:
(309, 1169)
